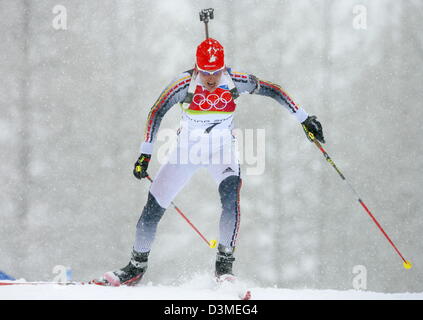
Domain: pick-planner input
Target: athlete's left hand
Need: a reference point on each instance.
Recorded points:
(311, 125)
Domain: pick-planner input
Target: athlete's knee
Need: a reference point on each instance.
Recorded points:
(152, 212)
(229, 192)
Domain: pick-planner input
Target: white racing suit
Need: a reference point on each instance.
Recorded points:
(204, 140)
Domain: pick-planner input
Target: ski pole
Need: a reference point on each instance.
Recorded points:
(211, 243)
(206, 15)
(406, 263)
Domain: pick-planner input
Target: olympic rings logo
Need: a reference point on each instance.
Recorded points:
(212, 100)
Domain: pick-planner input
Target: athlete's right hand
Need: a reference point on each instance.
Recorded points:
(312, 126)
(140, 167)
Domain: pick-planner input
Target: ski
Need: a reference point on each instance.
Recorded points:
(230, 282)
(246, 295)
(226, 283)
(33, 283)
(98, 282)
(109, 280)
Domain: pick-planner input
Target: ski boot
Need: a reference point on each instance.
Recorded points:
(129, 275)
(224, 275)
(224, 261)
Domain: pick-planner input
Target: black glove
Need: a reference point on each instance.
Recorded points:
(140, 167)
(311, 125)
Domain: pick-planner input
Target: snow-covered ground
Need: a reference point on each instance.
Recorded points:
(199, 288)
(57, 292)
